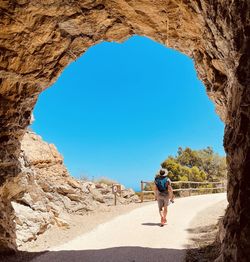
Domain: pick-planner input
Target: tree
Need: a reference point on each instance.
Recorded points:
(189, 158)
(196, 165)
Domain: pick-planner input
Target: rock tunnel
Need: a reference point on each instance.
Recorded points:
(38, 39)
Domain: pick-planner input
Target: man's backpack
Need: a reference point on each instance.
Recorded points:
(161, 183)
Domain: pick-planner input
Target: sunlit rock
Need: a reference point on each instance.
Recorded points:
(39, 38)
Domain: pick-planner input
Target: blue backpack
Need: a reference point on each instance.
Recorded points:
(161, 183)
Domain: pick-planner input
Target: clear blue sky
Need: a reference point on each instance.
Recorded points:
(121, 109)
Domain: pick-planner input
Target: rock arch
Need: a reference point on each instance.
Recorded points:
(39, 38)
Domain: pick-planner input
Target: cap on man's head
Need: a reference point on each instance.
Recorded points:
(163, 172)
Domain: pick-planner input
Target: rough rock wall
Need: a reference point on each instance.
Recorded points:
(39, 38)
(44, 194)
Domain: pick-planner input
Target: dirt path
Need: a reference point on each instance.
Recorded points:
(136, 236)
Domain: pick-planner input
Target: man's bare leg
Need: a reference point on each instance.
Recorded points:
(161, 215)
(164, 215)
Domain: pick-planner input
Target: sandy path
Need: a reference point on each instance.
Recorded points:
(136, 236)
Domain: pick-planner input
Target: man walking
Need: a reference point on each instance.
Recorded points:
(163, 193)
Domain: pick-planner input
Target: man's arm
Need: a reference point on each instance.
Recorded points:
(171, 192)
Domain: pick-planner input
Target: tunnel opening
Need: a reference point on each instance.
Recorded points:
(149, 94)
(126, 94)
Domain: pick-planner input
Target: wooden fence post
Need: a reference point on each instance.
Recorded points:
(115, 198)
(142, 196)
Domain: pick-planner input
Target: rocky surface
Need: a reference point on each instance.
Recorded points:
(44, 195)
(39, 38)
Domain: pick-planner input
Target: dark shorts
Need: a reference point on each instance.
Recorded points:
(163, 201)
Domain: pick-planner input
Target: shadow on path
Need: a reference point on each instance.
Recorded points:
(151, 224)
(116, 254)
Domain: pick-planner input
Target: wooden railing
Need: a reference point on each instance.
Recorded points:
(189, 186)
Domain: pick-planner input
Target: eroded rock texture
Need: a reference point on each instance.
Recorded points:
(45, 195)
(39, 38)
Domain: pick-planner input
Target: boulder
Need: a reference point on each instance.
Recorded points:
(127, 193)
(30, 223)
(44, 193)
